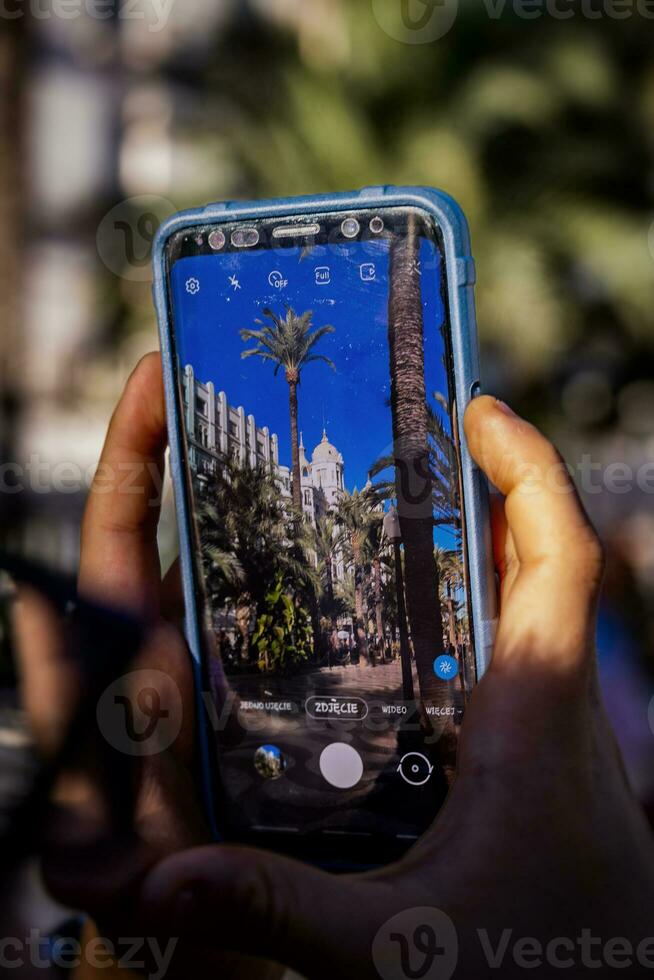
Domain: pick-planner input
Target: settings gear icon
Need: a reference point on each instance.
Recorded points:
(192, 286)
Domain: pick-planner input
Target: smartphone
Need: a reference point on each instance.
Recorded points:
(319, 354)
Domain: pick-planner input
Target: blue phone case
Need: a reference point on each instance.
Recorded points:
(460, 278)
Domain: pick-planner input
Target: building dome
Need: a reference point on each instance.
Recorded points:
(325, 452)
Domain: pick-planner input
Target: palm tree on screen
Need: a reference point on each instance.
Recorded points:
(353, 516)
(414, 481)
(247, 542)
(289, 342)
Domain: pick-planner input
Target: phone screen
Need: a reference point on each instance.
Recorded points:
(315, 385)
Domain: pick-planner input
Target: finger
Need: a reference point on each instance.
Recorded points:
(52, 688)
(119, 562)
(192, 960)
(542, 507)
(171, 959)
(147, 718)
(95, 858)
(504, 553)
(172, 595)
(166, 654)
(267, 906)
(548, 614)
(49, 680)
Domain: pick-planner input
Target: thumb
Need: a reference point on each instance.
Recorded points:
(264, 905)
(552, 557)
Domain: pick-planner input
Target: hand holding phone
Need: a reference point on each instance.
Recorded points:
(318, 357)
(542, 855)
(537, 757)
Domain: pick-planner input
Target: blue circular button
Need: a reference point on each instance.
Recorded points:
(446, 667)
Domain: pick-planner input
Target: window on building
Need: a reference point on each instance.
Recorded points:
(307, 497)
(201, 406)
(206, 466)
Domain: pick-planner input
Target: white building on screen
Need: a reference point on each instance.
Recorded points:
(215, 430)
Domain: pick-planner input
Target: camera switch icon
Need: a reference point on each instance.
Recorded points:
(415, 768)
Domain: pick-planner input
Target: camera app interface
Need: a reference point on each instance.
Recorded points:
(315, 387)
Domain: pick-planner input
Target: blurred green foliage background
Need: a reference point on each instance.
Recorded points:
(541, 127)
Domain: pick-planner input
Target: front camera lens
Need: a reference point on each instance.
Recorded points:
(350, 228)
(216, 240)
(376, 225)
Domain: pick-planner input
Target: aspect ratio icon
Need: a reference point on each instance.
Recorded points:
(276, 279)
(323, 275)
(368, 272)
(415, 768)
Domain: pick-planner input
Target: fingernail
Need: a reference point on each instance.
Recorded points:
(503, 407)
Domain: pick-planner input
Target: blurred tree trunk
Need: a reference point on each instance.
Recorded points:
(11, 215)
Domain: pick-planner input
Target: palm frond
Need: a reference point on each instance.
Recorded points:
(286, 341)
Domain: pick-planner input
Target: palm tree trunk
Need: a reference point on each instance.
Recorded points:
(329, 588)
(362, 643)
(411, 449)
(379, 603)
(243, 615)
(295, 444)
(451, 622)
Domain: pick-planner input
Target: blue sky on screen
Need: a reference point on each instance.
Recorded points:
(352, 400)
